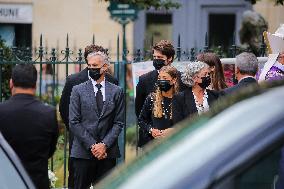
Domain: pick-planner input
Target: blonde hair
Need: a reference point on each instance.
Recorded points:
(157, 96)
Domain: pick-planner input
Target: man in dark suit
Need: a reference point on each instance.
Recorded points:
(163, 54)
(246, 67)
(28, 125)
(71, 81)
(96, 117)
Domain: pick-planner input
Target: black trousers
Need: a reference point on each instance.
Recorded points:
(88, 171)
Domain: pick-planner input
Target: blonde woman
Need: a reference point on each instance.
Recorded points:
(155, 119)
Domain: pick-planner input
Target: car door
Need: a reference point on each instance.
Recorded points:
(12, 173)
(260, 170)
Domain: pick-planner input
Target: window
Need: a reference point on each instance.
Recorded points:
(158, 26)
(19, 35)
(9, 176)
(262, 174)
(221, 30)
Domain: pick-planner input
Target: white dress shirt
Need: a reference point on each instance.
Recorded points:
(103, 88)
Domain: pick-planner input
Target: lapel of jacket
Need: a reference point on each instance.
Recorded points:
(210, 97)
(84, 75)
(92, 96)
(153, 79)
(189, 101)
(108, 94)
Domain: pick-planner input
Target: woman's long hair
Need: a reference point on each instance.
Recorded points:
(218, 78)
(157, 95)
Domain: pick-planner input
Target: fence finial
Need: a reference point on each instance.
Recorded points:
(206, 47)
(67, 41)
(179, 49)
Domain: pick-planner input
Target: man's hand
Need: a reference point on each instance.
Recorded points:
(156, 133)
(99, 151)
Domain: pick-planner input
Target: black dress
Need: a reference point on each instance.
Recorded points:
(147, 120)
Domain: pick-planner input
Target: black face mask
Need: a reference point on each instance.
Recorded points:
(158, 63)
(205, 82)
(164, 85)
(95, 73)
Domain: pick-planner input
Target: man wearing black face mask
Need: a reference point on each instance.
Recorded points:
(96, 118)
(163, 54)
(71, 81)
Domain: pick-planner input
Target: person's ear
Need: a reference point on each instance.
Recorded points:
(237, 70)
(195, 79)
(174, 81)
(169, 60)
(104, 68)
(11, 84)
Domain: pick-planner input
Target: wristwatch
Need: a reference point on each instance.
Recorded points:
(150, 131)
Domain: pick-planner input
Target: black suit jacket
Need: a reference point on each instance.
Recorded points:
(242, 84)
(30, 127)
(146, 85)
(71, 81)
(184, 104)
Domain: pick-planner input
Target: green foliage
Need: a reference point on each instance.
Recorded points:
(131, 135)
(147, 4)
(5, 55)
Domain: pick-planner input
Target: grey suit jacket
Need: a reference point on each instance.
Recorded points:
(88, 126)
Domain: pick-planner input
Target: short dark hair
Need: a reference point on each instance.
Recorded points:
(24, 76)
(166, 48)
(93, 48)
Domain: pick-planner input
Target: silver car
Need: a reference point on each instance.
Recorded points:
(238, 148)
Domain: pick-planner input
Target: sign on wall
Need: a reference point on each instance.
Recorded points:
(16, 13)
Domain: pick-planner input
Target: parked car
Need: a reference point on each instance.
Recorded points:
(12, 173)
(238, 148)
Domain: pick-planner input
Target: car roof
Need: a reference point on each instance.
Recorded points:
(188, 150)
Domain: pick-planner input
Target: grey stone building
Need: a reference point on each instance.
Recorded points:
(219, 18)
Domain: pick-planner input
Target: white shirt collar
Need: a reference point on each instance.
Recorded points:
(246, 77)
(103, 83)
(279, 65)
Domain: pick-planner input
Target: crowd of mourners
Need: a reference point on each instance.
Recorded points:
(92, 107)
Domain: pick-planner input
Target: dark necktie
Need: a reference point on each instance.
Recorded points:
(99, 98)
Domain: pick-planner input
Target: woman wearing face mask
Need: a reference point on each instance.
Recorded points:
(156, 116)
(215, 66)
(197, 98)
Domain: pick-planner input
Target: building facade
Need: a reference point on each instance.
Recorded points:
(220, 19)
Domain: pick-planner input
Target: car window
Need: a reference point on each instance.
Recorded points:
(261, 174)
(9, 176)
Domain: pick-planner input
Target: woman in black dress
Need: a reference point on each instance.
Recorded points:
(197, 98)
(155, 119)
